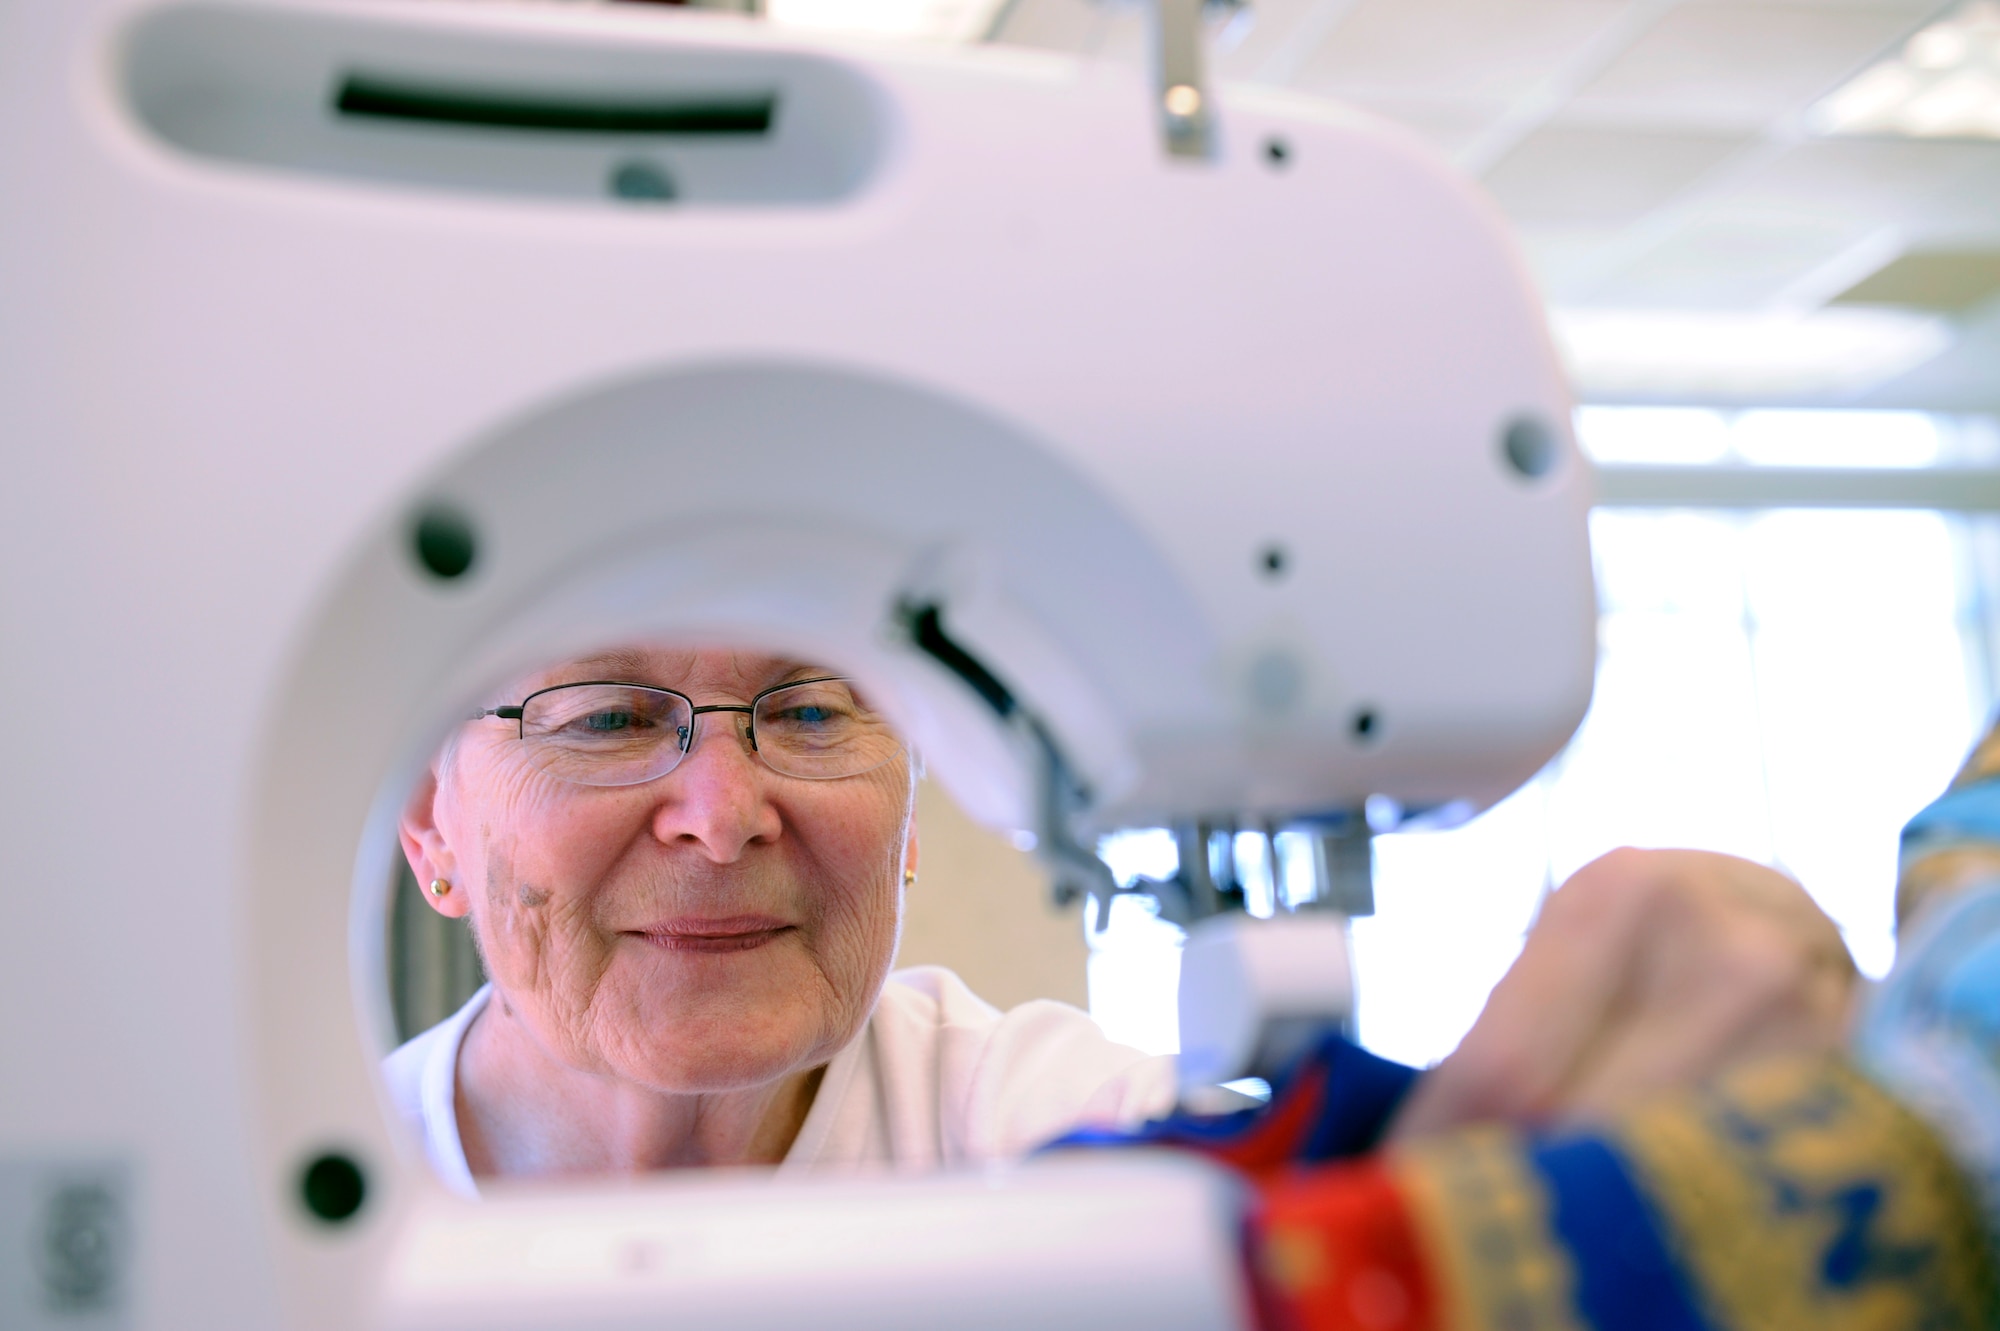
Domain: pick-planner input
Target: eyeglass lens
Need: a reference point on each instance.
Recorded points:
(625, 734)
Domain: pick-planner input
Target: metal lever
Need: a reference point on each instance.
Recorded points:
(1187, 120)
(1074, 869)
(1343, 860)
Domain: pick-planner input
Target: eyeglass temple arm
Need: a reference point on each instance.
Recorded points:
(504, 713)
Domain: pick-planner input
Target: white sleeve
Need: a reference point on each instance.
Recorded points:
(421, 1078)
(1008, 1083)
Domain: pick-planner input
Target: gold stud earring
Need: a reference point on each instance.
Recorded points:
(439, 887)
(909, 878)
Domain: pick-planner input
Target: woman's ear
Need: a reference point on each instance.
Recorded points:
(429, 854)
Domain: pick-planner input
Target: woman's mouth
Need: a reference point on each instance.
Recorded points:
(735, 934)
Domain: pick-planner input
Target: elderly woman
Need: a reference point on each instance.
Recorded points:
(684, 871)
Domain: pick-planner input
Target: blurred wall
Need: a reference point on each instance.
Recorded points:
(982, 908)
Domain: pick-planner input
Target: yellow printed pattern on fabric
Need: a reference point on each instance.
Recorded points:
(1474, 1198)
(1797, 1194)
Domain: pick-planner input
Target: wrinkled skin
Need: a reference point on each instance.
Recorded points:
(674, 962)
(1647, 971)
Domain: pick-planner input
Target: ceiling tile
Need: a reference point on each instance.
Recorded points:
(1948, 190)
(1568, 174)
(1056, 25)
(1946, 281)
(1449, 125)
(1965, 378)
(1916, 9)
(1568, 260)
(1727, 262)
(1482, 49)
(1267, 30)
(1739, 64)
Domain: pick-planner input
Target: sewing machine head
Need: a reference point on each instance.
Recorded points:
(363, 356)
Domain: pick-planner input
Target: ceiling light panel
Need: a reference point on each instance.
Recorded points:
(1944, 83)
(1667, 356)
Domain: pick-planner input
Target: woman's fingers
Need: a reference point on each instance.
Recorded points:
(1710, 991)
(1647, 970)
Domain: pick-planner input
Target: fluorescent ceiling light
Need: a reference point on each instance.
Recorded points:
(1944, 83)
(922, 20)
(1766, 437)
(1679, 435)
(1670, 355)
(1837, 438)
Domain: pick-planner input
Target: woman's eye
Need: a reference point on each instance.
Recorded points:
(812, 715)
(599, 723)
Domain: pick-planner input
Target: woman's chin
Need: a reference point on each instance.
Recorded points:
(696, 1023)
(711, 1042)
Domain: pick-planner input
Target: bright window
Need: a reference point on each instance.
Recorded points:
(1787, 685)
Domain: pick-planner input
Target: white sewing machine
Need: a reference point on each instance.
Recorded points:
(1206, 470)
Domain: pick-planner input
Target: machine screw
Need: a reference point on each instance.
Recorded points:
(82, 1250)
(444, 542)
(1529, 446)
(1277, 152)
(1365, 724)
(333, 1187)
(642, 182)
(1273, 559)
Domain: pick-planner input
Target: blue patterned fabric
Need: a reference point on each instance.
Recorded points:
(1931, 1032)
(1334, 1102)
(1969, 813)
(1626, 1276)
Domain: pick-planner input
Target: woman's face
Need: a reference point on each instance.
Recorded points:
(713, 929)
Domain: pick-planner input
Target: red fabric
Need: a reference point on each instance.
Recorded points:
(1335, 1250)
(1273, 1142)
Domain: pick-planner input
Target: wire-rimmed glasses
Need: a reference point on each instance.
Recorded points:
(612, 733)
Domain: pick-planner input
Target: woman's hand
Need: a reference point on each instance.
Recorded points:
(1647, 971)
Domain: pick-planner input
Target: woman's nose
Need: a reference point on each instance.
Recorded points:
(715, 797)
